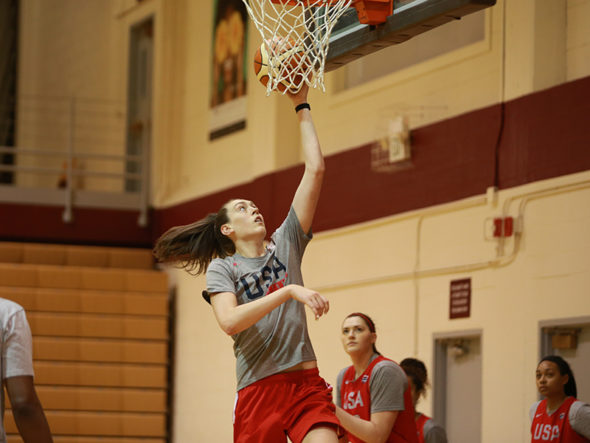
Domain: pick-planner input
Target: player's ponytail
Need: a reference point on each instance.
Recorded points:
(416, 370)
(569, 388)
(193, 246)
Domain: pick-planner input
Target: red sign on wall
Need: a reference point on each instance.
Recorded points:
(460, 300)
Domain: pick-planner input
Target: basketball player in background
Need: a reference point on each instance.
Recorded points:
(16, 365)
(428, 430)
(258, 298)
(374, 402)
(559, 417)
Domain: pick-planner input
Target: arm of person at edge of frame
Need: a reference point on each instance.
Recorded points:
(308, 192)
(234, 318)
(27, 410)
(376, 430)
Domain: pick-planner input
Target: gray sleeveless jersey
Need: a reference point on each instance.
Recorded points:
(280, 339)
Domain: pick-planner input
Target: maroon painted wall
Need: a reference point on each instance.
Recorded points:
(89, 226)
(535, 137)
(546, 134)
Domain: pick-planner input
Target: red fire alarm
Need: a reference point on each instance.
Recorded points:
(503, 227)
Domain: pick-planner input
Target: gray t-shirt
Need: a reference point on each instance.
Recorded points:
(16, 342)
(579, 416)
(387, 386)
(280, 339)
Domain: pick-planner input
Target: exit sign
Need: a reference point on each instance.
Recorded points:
(460, 298)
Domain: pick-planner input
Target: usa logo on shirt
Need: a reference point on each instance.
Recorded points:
(365, 378)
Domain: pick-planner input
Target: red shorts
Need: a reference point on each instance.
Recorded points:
(289, 403)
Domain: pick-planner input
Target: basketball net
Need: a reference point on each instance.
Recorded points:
(308, 25)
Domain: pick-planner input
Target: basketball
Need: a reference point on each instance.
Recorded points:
(287, 61)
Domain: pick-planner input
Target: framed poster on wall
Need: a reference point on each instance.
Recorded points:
(228, 68)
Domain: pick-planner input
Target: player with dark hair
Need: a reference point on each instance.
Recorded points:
(428, 430)
(559, 417)
(374, 402)
(257, 294)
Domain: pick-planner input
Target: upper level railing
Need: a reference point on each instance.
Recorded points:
(76, 152)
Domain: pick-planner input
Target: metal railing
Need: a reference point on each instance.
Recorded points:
(74, 152)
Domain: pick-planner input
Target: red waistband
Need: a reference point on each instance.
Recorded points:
(289, 377)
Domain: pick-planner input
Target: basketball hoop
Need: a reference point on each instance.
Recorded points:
(308, 25)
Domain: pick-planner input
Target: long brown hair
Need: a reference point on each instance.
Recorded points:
(193, 246)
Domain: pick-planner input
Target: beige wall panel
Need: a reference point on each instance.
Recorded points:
(547, 279)
(197, 166)
(425, 93)
(344, 263)
(428, 92)
(204, 378)
(578, 39)
(456, 238)
(74, 37)
(90, 59)
(550, 44)
(67, 78)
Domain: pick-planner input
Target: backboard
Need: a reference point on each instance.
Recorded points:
(351, 40)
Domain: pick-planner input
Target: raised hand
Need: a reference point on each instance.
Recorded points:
(300, 96)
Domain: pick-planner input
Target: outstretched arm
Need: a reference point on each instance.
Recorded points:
(307, 194)
(234, 318)
(27, 411)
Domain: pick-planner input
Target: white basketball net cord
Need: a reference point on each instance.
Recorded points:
(308, 26)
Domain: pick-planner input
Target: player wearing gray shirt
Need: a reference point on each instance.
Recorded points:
(279, 340)
(387, 384)
(374, 402)
(258, 298)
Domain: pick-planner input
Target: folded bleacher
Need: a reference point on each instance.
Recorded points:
(100, 322)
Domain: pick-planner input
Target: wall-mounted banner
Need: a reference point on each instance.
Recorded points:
(228, 68)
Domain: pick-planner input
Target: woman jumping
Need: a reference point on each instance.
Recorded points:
(258, 298)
